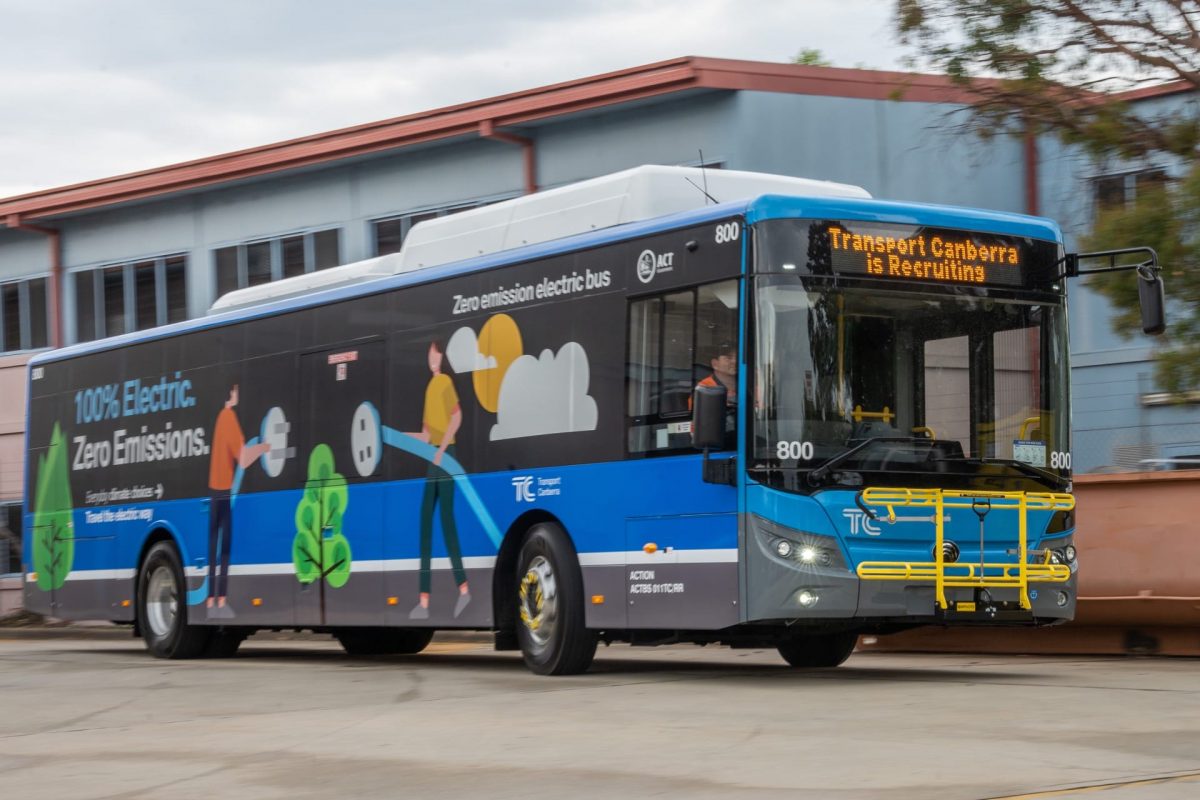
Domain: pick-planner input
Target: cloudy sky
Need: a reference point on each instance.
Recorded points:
(93, 89)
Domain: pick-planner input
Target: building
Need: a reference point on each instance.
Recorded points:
(134, 251)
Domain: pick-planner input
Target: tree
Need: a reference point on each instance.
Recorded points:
(53, 528)
(811, 57)
(1169, 221)
(1055, 65)
(320, 551)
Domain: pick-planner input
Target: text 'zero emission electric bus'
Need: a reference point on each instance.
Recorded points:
(653, 407)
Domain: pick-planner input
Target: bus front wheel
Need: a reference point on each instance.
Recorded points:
(162, 607)
(817, 649)
(553, 637)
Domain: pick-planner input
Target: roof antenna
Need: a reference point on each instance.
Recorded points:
(704, 176)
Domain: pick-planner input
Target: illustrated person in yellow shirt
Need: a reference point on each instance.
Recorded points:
(440, 422)
(227, 452)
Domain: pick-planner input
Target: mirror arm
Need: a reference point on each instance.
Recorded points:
(1147, 268)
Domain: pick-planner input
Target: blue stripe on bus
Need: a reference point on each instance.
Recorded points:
(382, 519)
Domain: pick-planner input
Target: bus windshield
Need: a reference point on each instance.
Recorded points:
(932, 381)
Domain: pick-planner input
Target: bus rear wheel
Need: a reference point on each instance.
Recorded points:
(552, 634)
(815, 650)
(162, 607)
(383, 641)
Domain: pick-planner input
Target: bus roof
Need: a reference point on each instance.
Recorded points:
(633, 195)
(769, 206)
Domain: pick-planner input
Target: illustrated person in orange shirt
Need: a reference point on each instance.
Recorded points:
(440, 422)
(227, 452)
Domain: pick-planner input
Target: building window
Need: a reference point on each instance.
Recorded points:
(1120, 191)
(265, 260)
(121, 298)
(10, 538)
(390, 232)
(24, 315)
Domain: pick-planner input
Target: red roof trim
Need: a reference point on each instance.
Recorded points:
(1158, 90)
(465, 118)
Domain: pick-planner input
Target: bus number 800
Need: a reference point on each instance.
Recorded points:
(795, 451)
(728, 232)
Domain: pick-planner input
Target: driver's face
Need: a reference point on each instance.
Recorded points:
(725, 363)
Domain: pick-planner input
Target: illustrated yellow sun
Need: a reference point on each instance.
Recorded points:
(500, 339)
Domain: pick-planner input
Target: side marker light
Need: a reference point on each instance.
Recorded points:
(597, 599)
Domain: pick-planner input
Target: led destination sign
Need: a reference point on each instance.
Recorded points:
(919, 255)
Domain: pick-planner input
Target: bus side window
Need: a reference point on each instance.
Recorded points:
(670, 345)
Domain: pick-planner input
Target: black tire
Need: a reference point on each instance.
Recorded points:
(383, 641)
(549, 584)
(815, 650)
(224, 643)
(162, 607)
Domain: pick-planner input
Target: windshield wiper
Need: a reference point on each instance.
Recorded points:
(1019, 466)
(821, 471)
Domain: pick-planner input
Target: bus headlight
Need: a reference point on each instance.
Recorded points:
(1069, 552)
(807, 598)
(801, 548)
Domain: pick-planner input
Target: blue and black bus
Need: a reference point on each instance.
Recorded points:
(662, 406)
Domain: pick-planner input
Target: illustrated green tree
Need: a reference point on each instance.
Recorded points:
(1059, 66)
(320, 551)
(53, 534)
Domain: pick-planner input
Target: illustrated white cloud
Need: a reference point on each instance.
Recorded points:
(463, 352)
(545, 395)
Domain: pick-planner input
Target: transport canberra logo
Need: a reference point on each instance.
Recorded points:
(650, 264)
(527, 488)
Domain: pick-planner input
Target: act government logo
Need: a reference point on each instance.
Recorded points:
(650, 264)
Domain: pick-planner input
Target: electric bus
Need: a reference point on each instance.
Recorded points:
(666, 405)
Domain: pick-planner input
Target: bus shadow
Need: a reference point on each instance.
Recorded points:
(609, 665)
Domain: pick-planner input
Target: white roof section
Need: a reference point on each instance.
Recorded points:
(358, 272)
(633, 195)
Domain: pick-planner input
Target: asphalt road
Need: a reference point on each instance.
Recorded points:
(96, 717)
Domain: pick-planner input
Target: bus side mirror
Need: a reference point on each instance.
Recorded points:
(708, 417)
(1150, 297)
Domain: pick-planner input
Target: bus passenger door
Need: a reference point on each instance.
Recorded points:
(338, 549)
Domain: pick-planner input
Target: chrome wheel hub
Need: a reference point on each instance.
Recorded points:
(162, 602)
(538, 597)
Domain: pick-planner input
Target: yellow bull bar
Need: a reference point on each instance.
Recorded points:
(976, 575)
